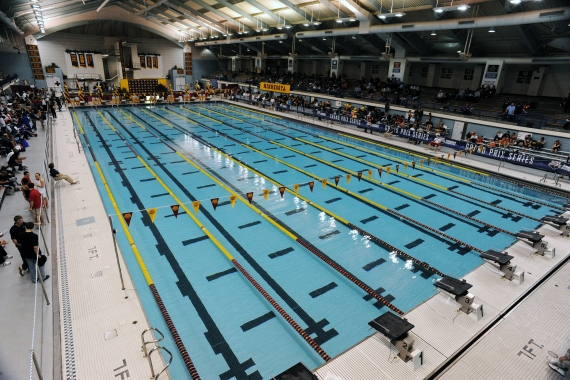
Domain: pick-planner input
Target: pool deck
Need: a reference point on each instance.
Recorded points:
(97, 318)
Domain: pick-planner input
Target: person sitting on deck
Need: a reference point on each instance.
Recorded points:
(57, 175)
(556, 146)
(436, 144)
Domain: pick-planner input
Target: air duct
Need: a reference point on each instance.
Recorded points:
(519, 18)
(229, 40)
(10, 23)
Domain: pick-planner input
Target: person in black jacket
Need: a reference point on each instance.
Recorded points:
(29, 244)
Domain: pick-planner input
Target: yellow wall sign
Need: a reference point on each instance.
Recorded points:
(274, 87)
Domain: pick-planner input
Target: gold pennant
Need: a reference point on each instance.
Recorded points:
(369, 173)
(388, 170)
(196, 205)
(266, 193)
(324, 182)
(405, 166)
(448, 154)
(233, 200)
(296, 187)
(152, 213)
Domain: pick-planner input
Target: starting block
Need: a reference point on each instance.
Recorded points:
(559, 222)
(507, 270)
(535, 241)
(458, 289)
(396, 330)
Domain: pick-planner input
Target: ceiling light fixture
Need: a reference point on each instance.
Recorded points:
(433, 33)
(315, 22)
(449, 8)
(491, 30)
(384, 16)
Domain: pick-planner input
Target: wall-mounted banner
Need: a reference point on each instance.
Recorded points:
(143, 61)
(90, 60)
(274, 87)
(149, 62)
(73, 58)
(81, 60)
(155, 62)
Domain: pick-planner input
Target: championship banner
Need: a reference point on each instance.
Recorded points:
(143, 61)
(90, 60)
(149, 62)
(82, 60)
(274, 87)
(155, 62)
(73, 58)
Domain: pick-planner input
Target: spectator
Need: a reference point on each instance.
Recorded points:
(510, 112)
(498, 136)
(57, 175)
(29, 244)
(556, 146)
(36, 204)
(15, 230)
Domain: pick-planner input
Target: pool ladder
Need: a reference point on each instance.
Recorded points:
(148, 354)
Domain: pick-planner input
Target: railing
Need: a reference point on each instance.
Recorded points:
(87, 77)
(39, 280)
(147, 354)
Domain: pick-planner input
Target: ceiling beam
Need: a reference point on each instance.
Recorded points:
(237, 10)
(529, 37)
(265, 10)
(219, 13)
(296, 9)
(332, 8)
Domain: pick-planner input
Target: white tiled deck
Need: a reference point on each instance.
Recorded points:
(93, 303)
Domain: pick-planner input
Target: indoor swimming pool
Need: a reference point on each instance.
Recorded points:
(334, 229)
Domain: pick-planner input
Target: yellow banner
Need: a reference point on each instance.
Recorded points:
(274, 87)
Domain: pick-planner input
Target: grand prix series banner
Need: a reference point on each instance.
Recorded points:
(513, 155)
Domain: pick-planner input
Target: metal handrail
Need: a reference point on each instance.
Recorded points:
(147, 354)
(153, 376)
(144, 343)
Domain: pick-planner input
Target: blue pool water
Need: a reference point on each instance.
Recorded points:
(228, 328)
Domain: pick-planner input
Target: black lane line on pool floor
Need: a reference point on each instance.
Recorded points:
(313, 327)
(459, 218)
(213, 334)
(425, 272)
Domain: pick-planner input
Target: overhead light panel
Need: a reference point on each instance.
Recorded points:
(390, 15)
(450, 8)
(491, 30)
(433, 33)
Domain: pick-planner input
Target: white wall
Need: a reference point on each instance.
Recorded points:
(556, 81)
(52, 49)
(71, 71)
